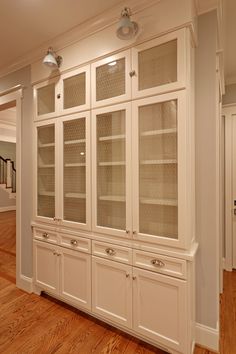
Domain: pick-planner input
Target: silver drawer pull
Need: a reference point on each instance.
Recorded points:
(110, 251)
(45, 235)
(157, 263)
(74, 242)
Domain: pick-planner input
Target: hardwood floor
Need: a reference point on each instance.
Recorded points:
(42, 325)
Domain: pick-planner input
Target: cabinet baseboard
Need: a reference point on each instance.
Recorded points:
(207, 337)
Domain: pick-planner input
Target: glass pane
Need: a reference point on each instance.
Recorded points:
(46, 99)
(110, 79)
(158, 169)
(75, 170)
(46, 171)
(74, 91)
(158, 65)
(111, 200)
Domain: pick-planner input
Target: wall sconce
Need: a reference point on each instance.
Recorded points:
(126, 28)
(52, 60)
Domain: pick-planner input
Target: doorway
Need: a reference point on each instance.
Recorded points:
(11, 98)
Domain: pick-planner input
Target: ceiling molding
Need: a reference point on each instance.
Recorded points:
(83, 30)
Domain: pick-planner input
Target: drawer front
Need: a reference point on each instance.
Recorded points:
(45, 235)
(158, 263)
(76, 243)
(112, 252)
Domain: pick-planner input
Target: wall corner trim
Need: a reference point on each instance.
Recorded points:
(25, 283)
(207, 337)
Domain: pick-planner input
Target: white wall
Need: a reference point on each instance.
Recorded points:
(23, 77)
(5, 201)
(206, 178)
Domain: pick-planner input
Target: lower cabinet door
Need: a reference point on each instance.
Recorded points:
(112, 291)
(160, 308)
(46, 270)
(75, 277)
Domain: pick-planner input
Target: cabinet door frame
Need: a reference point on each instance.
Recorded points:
(183, 324)
(86, 304)
(35, 99)
(53, 249)
(116, 99)
(183, 178)
(35, 171)
(100, 229)
(127, 270)
(60, 91)
(87, 225)
(180, 35)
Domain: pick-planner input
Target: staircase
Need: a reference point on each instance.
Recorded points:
(8, 177)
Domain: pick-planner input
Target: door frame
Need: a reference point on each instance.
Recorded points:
(15, 94)
(227, 112)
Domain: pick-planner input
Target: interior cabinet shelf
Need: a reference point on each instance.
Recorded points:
(112, 198)
(46, 166)
(112, 163)
(46, 193)
(46, 145)
(75, 195)
(74, 142)
(159, 132)
(153, 201)
(158, 162)
(112, 137)
(80, 164)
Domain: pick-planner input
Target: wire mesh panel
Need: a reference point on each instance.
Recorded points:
(158, 169)
(74, 90)
(46, 171)
(111, 170)
(46, 99)
(110, 80)
(157, 65)
(75, 170)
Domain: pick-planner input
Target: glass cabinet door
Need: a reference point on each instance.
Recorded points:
(73, 91)
(159, 65)
(111, 137)
(157, 154)
(46, 171)
(110, 80)
(76, 188)
(44, 100)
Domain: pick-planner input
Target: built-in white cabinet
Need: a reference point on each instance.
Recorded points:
(112, 290)
(63, 162)
(65, 94)
(63, 272)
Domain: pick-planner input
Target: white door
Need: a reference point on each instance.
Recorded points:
(112, 290)
(160, 308)
(230, 187)
(75, 277)
(46, 266)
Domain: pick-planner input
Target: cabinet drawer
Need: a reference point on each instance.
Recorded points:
(45, 235)
(159, 263)
(112, 252)
(75, 243)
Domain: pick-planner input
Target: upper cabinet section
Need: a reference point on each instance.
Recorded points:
(110, 79)
(158, 65)
(63, 95)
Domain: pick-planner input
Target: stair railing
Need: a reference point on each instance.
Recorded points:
(8, 173)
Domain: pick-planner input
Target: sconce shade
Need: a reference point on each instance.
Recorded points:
(52, 60)
(126, 28)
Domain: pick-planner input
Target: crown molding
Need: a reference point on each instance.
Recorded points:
(83, 30)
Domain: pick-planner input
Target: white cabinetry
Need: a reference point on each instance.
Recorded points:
(63, 95)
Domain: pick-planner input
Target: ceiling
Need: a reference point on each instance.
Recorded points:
(28, 24)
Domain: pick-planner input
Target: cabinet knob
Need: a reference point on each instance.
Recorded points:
(132, 73)
(157, 263)
(54, 253)
(110, 251)
(127, 275)
(134, 277)
(58, 96)
(127, 232)
(134, 232)
(74, 242)
(45, 235)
